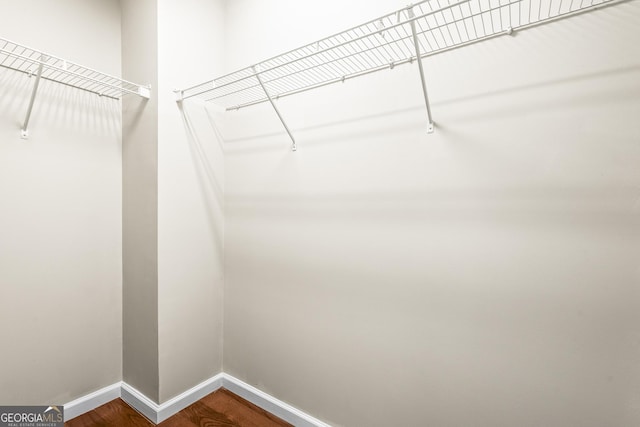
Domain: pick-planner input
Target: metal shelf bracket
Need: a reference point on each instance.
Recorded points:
(416, 44)
(273, 104)
(25, 127)
(144, 91)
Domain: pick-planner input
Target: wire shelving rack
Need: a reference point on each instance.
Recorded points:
(42, 65)
(417, 31)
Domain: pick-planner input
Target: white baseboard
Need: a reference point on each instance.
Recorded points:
(178, 403)
(140, 402)
(158, 413)
(270, 404)
(91, 401)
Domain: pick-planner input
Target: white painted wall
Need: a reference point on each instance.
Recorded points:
(60, 211)
(140, 348)
(483, 275)
(190, 198)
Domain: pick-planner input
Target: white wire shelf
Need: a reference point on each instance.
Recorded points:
(382, 43)
(27, 60)
(17, 57)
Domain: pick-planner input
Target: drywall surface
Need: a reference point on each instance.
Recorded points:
(140, 199)
(484, 275)
(190, 201)
(60, 211)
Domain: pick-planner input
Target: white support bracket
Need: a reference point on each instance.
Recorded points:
(273, 104)
(144, 91)
(25, 126)
(416, 43)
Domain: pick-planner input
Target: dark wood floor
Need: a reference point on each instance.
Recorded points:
(219, 409)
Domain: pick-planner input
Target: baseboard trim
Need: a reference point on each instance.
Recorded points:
(158, 413)
(91, 401)
(178, 403)
(271, 404)
(140, 402)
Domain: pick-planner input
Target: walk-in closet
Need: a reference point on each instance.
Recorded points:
(320, 213)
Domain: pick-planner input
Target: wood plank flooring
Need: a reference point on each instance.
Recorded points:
(219, 409)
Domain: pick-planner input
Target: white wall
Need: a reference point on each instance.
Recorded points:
(140, 345)
(173, 242)
(483, 275)
(60, 210)
(190, 199)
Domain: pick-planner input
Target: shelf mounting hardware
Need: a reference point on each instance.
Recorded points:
(273, 104)
(416, 44)
(36, 83)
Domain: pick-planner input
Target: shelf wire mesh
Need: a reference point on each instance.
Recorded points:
(382, 43)
(26, 60)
